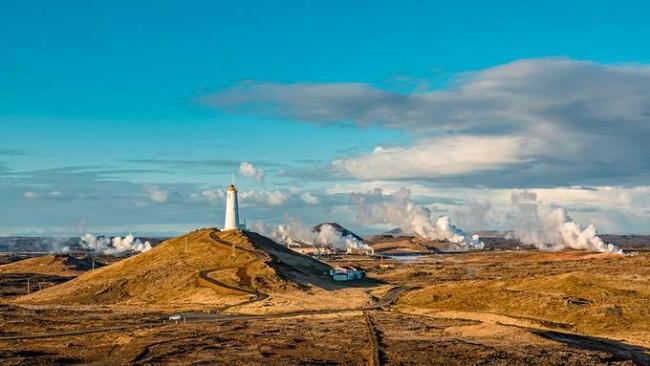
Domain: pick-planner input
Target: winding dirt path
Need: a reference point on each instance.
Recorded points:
(492, 322)
(386, 301)
(210, 281)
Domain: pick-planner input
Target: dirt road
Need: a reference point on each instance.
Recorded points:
(383, 303)
(375, 346)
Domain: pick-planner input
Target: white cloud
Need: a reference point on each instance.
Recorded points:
(277, 198)
(309, 198)
(290, 198)
(286, 197)
(214, 196)
(264, 198)
(156, 194)
(55, 194)
(388, 187)
(29, 195)
(434, 158)
(249, 170)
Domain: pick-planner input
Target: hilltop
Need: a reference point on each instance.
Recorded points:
(204, 267)
(340, 229)
(395, 242)
(404, 244)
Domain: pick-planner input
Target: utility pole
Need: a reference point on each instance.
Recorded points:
(233, 250)
(185, 249)
(29, 289)
(93, 263)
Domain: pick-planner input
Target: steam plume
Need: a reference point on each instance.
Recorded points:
(118, 244)
(554, 230)
(398, 210)
(294, 232)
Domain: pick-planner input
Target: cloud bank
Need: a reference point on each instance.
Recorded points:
(529, 123)
(435, 157)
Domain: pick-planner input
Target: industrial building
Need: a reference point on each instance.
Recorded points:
(346, 273)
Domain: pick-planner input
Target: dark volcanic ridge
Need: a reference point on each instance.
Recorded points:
(340, 229)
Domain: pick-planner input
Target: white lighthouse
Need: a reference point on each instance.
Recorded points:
(232, 209)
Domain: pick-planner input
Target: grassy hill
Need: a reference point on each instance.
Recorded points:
(204, 267)
(388, 244)
(53, 264)
(580, 301)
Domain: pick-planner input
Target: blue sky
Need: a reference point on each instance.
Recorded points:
(101, 101)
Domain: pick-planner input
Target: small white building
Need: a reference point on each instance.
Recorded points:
(363, 250)
(346, 273)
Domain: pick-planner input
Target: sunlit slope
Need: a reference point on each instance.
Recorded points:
(53, 264)
(591, 303)
(170, 274)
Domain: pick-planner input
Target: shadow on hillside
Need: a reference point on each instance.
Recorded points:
(620, 351)
(16, 284)
(303, 269)
(84, 263)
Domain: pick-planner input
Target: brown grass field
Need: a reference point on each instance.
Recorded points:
(268, 306)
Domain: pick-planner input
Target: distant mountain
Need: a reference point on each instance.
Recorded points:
(492, 233)
(339, 228)
(395, 232)
(405, 244)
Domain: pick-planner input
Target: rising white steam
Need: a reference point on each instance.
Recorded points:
(295, 233)
(115, 245)
(375, 207)
(554, 230)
